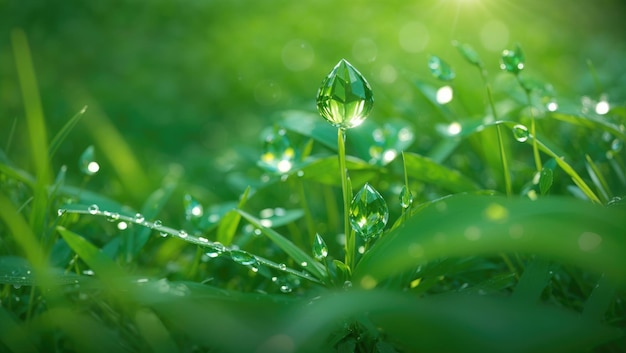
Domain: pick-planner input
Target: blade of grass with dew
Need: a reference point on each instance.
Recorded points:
(300, 257)
(14, 336)
(428, 171)
(150, 209)
(36, 128)
(426, 324)
(228, 224)
(558, 229)
(604, 191)
(58, 139)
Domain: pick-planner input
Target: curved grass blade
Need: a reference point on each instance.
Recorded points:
(14, 336)
(485, 324)
(559, 229)
(58, 139)
(154, 332)
(228, 224)
(591, 122)
(429, 171)
(297, 254)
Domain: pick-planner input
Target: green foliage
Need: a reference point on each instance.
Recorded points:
(459, 238)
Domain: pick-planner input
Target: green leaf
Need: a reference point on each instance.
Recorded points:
(150, 210)
(229, 223)
(297, 254)
(103, 266)
(154, 332)
(326, 171)
(14, 336)
(591, 122)
(558, 229)
(428, 171)
(468, 53)
(310, 125)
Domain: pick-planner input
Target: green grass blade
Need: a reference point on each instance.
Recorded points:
(559, 229)
(600, 300)
(14, 336)
(477, 323)
(36, 127)
(297, 254)
(7, 168)
(326, 170)
(429, 171)
(58, 139)
(228, 224)
(104, 267)
(591, 122)
(154, 332)
(310, 125)
(533, 281)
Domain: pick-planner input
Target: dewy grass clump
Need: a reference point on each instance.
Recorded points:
(482, 248)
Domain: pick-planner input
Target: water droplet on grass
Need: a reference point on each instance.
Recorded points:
(617, 145)
(282, 267)
(113, 216)
(345, 98)
(87, 163)
(512, 60)
(406, 198)
(93, 209)
(440, 69)
(444, 95)
(215, 250)
(61, 212)
(368, 212)
(278, 156)
(139, 218)
(243, 258)
(183, 234)
(520, 133)
(320, 250)
(193, 208)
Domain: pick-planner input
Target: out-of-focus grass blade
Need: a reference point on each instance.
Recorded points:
(477, 323)
(598, 179)
(428, 171)
(533, 281)
(600, 299)
(64, 132)
(85, 332)
(299, 256)
(14, 336)
(326, 171)
(228, 224)
(559, 229)
(102, 265)
(154, 332)
(310, 125)
(23, 235)
(36, 127)
(6, 167)
(591, 122)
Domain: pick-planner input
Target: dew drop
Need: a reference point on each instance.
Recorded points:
(285, 288)
(282, 267)
(183, 234)
(87, 163)
(93, 209)
(215, 250)
(320, 250)
(406, 198)
(440, 69)
(243, 258)
(122, 226)
(61, 212)
(345, 97)
(512, 60)
(113, 217)
(617, 145)
(368, 212)
(304, 264)
(139, 218)
(520, 133)
(157, 224)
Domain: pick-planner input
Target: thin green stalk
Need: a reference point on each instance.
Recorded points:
(308, 217)
(505, 165)
(347, 197)
(538, 164)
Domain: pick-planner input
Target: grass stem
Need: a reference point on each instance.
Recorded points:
(347, 196)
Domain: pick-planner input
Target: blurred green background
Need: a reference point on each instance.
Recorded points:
(187, 82)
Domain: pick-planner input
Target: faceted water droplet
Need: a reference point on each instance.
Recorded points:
(512, 60)
(278, 154)
(520, 133)
(193, 208)
(345, 98)
(139, 218)
(320, 250)
(440, 69)
(406, 197)
(347, 284)
(243, 258)
(87, 163)
(183, 234)
(368, 212)
(157, 224)
(282, 266)
(93, 209)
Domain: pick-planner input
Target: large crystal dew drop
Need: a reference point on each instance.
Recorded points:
(368, 212)
(345, 98)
